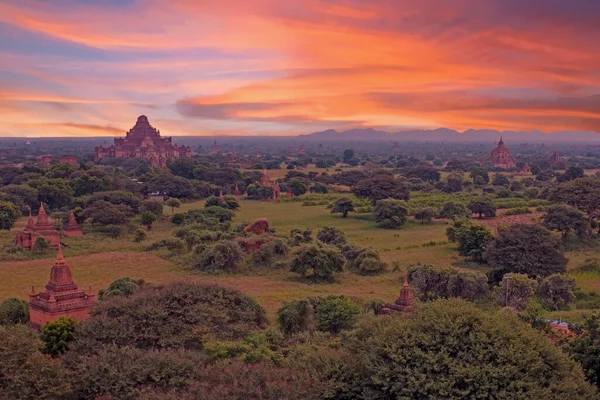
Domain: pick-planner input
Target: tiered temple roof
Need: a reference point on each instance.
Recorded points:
(404, 302)
(500, 157)
(61, 298)
(42, 227)
(143, 141)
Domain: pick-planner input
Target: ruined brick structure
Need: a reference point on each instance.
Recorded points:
(266, 181)
(62, 298)
(500, 157)
(526, 168)
(42, 227)
(555, 158)
(143, 141)
(72, 229)
(404, 302)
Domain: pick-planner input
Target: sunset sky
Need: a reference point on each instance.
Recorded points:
(266, 67)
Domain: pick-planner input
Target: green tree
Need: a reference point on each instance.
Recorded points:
(566, 219)
(223, 256)
(573, 172)
(343, 205)
(515, 290)
(336, 313)
(139, 235)
(425, 214)
(318, 188)
(147, 219)
(430, 283)
(154, 206)
(581, 193)
(390, 213)
(102, 212)
(298, 187)
(526, 249)
(295, 317)
(229, 202)
(322, 261)
(480, 172)
(331, 235)
(173, 203)
(447, 349)
(40, 246)
(453, 184)
(472, 240)
(585, 348)
(57, 335)
(482, 206)
(454, 211)
(382, 187)
(555, 292)
(8, 215)
(426, 173)
(500, 180)
(348, 155)
(26, 372)
(14, 311)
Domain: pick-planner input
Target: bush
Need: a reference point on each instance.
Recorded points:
(322, 261)
(140, 235)
(169, 244)
(229, 202)
(178, 219)
(336, 313)
(298, 237)
(222, 257)
(454, 211)
(177, 315)
(154, 206)
(125, 286)
(515, 290)
(390, 213)
(14, 311)
(295, 317)
(111, 231)
(331, 235)
(472, 239)
(447, 349)
(517, 211)
(555, 292)
(57, 335)
(430, 283)
(147, 219)
(425, 214)
(364, 261)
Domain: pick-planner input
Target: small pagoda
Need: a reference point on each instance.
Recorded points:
(72, 229)
(555, 158)
(236, 193)
(266, 181)
(62, 297)
(404, 302)
(41, 228)
(526, 168)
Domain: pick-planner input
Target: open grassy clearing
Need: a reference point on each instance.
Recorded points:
(98, 261)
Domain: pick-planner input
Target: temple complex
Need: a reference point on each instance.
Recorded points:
(61, 298)
(41, 228)
(402, 304)
(266, 181)
(72, 229)
(500, 157)
(143, 141)
(555, 158)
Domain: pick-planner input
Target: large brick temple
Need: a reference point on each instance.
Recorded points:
(143, 141)
(500, 157)
(62, 297)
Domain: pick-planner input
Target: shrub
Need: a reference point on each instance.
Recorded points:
(147, 219)
(425, 214)
(430, 283)
(154, 206)
(390, 213)
(40, 246)
(14, 311)
(336, 313)
(454, 211)
(222, 257)
(56, 335)
(111, 231)
(178, 219)
(364, 261)
(322, 261)
(125, 286)
(472, 239)
(169, 244)
(140, 235)
(331, 235)
(515, 290)
(298, 237)
(177, 315)
(517, 211)
(296, 316)
(229, 202)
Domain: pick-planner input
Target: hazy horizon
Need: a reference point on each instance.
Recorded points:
(267, 68)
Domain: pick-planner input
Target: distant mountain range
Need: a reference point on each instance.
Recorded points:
(450, 135)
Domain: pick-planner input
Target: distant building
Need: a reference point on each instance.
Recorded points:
(526, 168)
(214, 149)
(72, 160)
(62, 297)
(555, 158)
(46, 160)
(500, 157)
(266, 181)
(41, 228)
(72, 229)
(143, 141)
(404, 302)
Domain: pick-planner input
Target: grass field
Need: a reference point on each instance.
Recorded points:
(97, 261)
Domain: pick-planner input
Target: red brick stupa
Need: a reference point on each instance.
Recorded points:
(61, 298)
(27, 237)
(403, 303)
(72, 229)
(500, 157)
(266, 181)
(236, 193)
